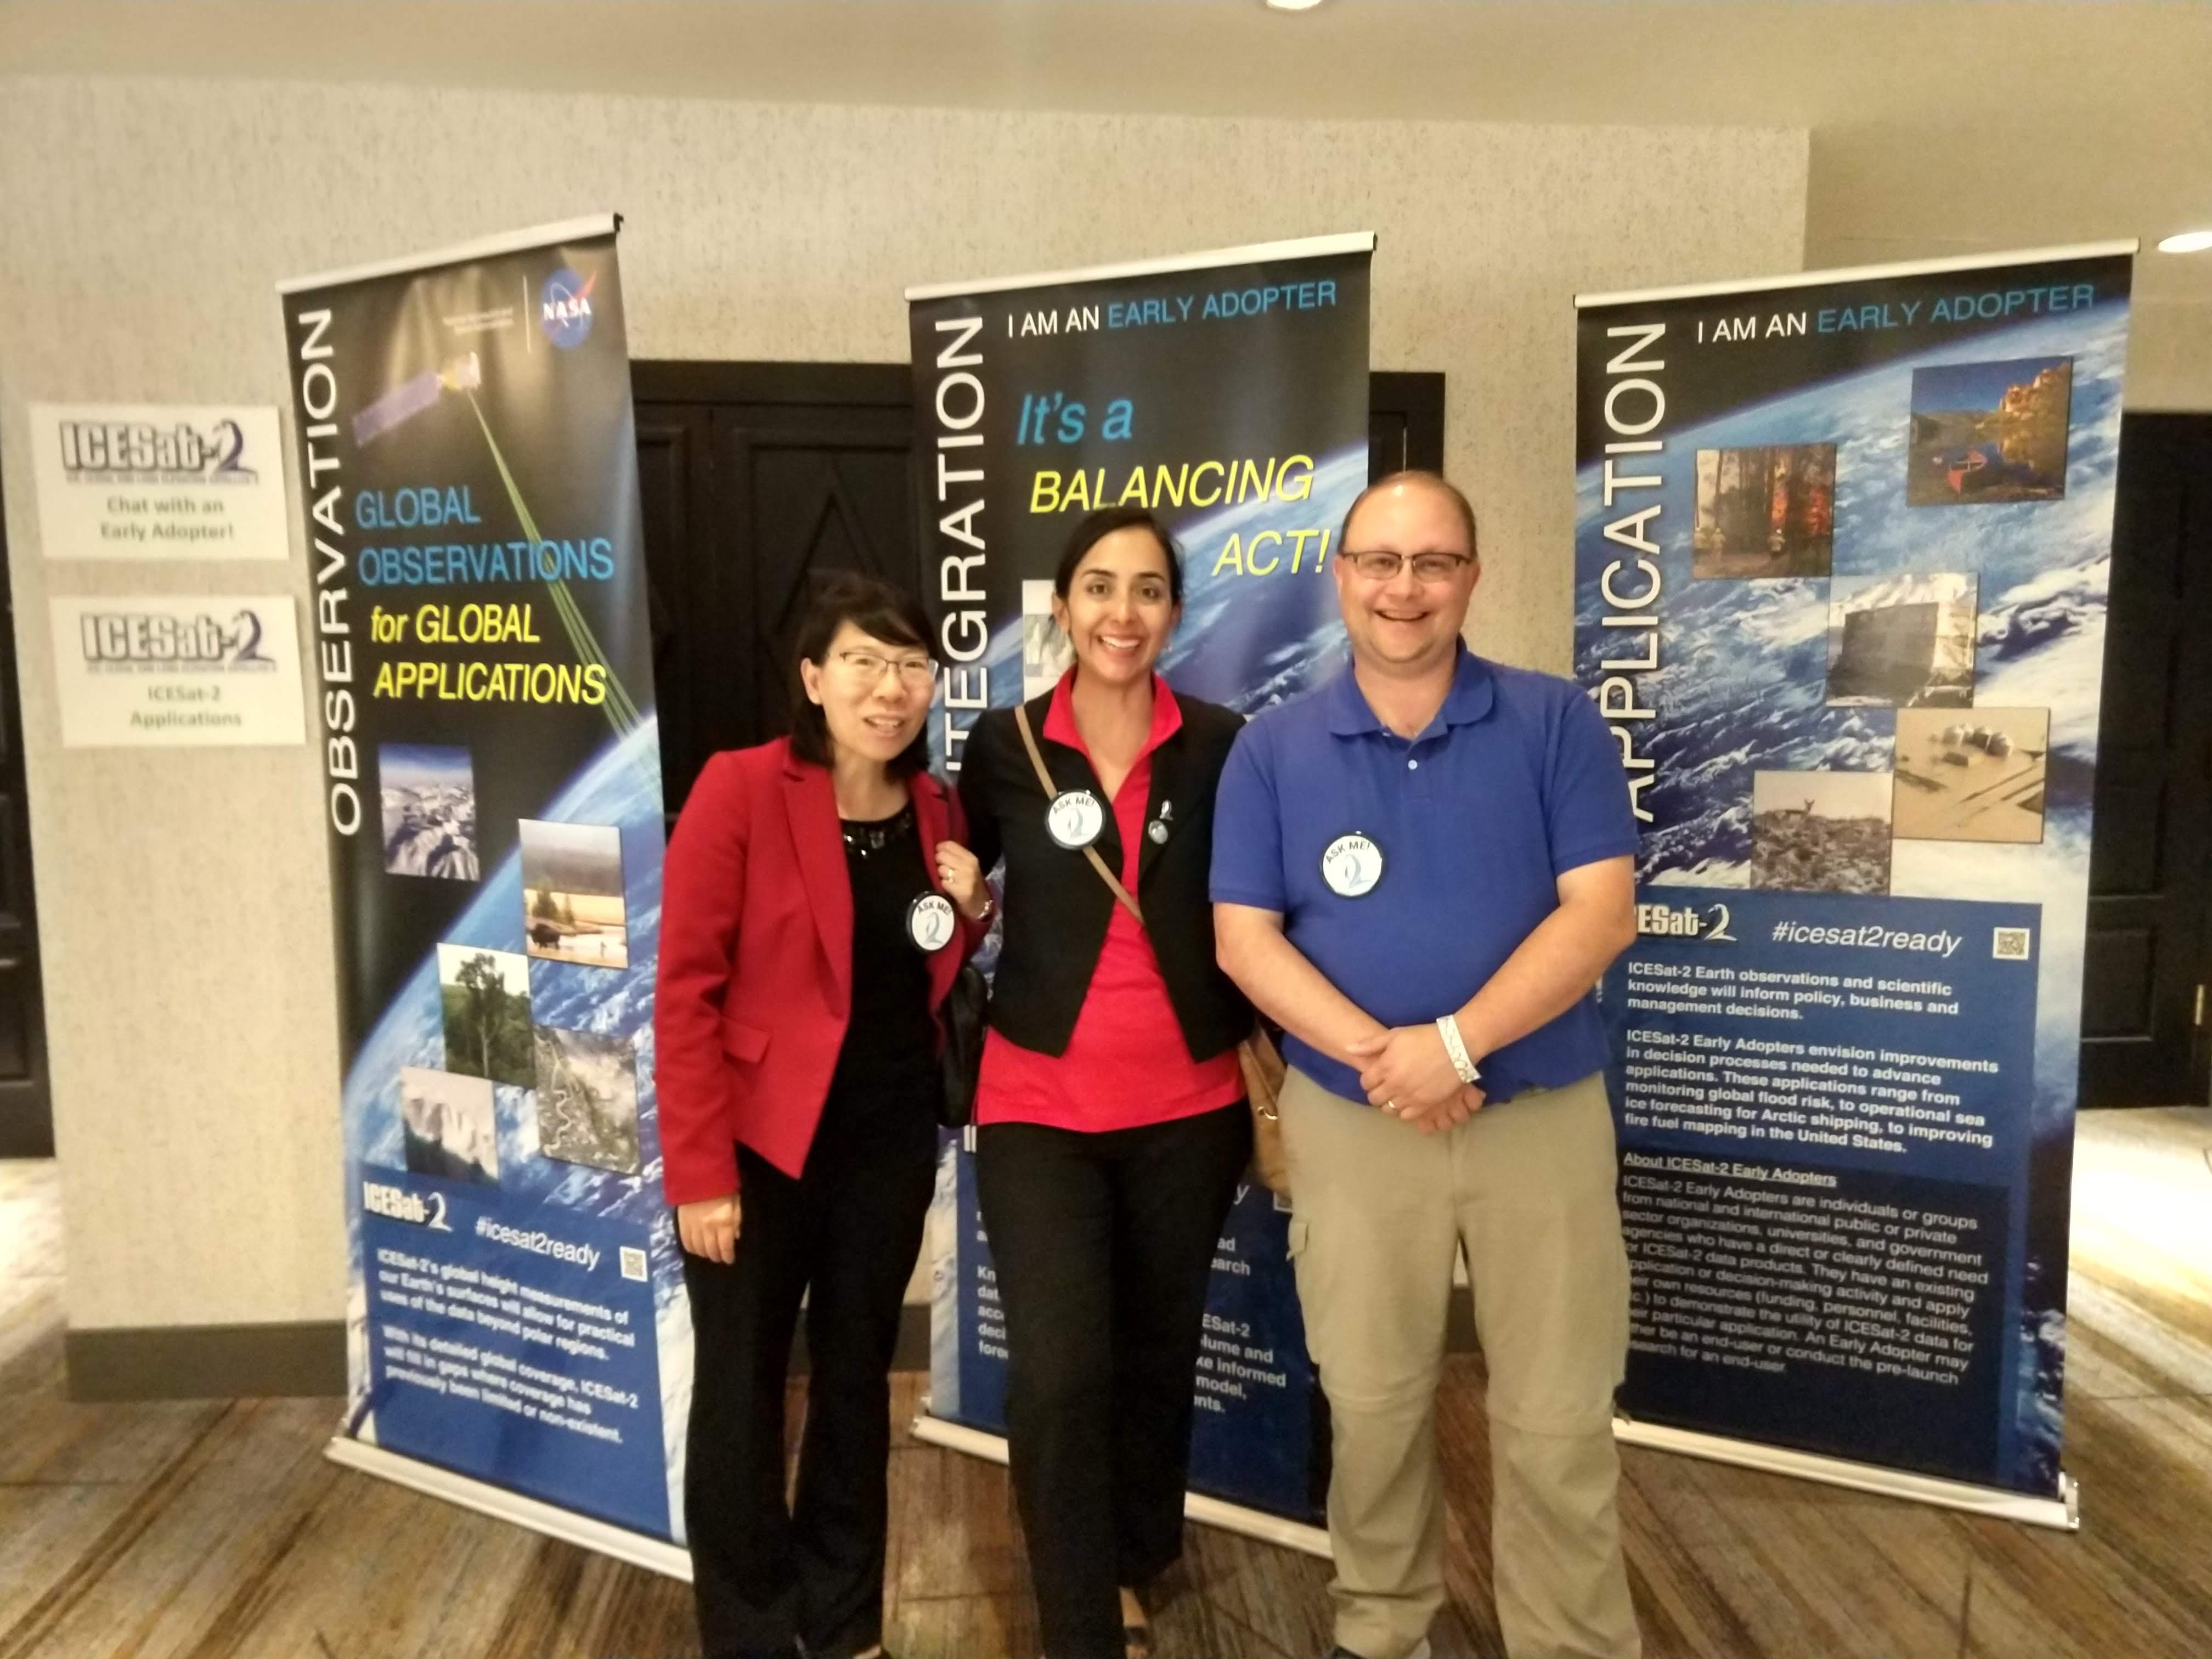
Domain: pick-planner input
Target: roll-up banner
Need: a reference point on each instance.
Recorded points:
(518, 1337)
(1226, 391)
(1843, 547)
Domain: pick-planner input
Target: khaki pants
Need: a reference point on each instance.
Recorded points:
(1380, 1212)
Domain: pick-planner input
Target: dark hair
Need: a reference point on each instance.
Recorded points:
(878, 609)
(1436, 481)
(1101, 525)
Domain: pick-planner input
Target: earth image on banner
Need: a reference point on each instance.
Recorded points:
(1743, 686)
(621, 787)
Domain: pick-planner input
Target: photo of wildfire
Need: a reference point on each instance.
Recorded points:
(1767, 510)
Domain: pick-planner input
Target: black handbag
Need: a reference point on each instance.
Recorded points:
(960, 1056)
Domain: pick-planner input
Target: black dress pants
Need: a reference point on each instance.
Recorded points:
(845, 1235)
(1104, 1245)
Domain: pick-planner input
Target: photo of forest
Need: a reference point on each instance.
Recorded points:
(485, 996)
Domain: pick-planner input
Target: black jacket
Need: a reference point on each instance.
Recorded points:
(1057, 908)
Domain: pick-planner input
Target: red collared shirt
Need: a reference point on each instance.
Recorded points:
(1126, 1064)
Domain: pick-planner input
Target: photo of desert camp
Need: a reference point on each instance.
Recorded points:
(1904, 641)
(587, 1099)
(451, 1129)
(1976, 774)
(485, 996)
(430, 796)
(572, 893)
(1768, 510)
(1820, 832)
(1990, 431)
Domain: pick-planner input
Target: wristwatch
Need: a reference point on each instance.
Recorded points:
(1456, 1047)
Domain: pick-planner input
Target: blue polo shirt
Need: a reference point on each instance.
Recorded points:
(1516, 782)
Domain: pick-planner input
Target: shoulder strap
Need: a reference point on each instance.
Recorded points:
(1045, 782)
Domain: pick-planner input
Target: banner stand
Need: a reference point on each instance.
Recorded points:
(503, 1503)
(2062, 1513)
(1166, 384)
(1196, 1506)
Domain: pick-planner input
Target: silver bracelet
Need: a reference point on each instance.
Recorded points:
(1456, 1046)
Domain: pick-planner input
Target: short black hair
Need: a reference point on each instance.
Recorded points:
(1436, 481)
(1101, 525)
(878, 609)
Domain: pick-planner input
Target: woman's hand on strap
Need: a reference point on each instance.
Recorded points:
(708, 1228)
(962, 877)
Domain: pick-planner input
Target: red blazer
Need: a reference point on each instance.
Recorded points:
(756, 978)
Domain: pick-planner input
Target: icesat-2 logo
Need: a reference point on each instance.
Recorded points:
(133, 641)
(140, 451)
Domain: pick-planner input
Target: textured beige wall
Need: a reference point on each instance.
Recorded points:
(194, 1064)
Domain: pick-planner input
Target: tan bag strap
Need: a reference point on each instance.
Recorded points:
(1045, 782)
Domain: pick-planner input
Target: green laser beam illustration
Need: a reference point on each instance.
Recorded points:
(622, 713)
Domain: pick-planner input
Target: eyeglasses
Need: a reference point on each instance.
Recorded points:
(1377, 565)
(868, 666)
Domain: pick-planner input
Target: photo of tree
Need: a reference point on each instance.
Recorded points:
(486, 999)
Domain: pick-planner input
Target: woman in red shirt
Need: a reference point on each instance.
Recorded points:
(807, 942)
(1112, 1126)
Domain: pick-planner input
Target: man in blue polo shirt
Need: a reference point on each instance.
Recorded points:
(1421, 871)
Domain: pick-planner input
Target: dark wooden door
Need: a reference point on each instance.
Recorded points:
(26, 1128)
(2143, 977)
(757, 478)
(758, 475)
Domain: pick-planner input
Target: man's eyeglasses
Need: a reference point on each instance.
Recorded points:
(867, 666)
(1379, 566)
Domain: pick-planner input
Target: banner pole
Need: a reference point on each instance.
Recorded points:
(505, 1504)
(1197, 1506)
(2061, 1514)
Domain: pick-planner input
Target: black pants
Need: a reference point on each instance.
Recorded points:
(1104, 1245)
(845, 1234)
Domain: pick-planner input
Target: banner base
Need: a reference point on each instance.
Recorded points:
(2062, 1512)
(1196, 1506)
(655, 1554)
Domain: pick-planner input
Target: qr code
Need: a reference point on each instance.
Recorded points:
(633, 1263)
(2010, 944)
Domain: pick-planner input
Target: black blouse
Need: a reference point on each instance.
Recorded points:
(890, 1047)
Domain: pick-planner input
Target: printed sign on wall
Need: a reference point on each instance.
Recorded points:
(148, 670)
(158, 481)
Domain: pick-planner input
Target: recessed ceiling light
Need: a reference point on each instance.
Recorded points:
(2189, 241)
(1293, 5)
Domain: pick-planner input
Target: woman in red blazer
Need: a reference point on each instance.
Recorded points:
(807, 942)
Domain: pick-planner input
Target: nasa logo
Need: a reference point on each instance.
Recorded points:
(129, 641)
(564, 309)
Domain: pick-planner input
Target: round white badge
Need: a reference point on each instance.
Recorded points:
(929, 923)
(1351, 866)
(1075, 819)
